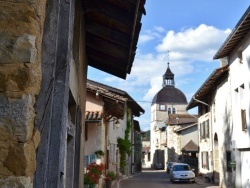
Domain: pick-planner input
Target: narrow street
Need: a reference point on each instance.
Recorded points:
(155, 179)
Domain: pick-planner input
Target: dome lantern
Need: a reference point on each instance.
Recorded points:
(168, 78)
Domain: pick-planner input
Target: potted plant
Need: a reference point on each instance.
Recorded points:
(93, 174)
(99, 153)
(109, 178)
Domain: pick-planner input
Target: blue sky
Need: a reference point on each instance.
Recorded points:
(192, 31)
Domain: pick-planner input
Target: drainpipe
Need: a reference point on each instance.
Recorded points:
(210, 108)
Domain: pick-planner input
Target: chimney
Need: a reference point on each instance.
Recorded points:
(223, 62)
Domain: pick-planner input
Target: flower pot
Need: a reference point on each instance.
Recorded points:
(108, 183)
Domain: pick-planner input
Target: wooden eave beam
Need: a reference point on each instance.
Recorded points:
(127, 5)
(108, 34)
(107, 22)
(119, 72)
(106, 47)
(112, 66)
(109, 59)
(110, 11)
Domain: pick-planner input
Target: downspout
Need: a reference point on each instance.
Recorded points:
(212, 139)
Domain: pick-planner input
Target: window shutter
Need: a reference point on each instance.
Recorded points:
(207, 160)
(243, 119)
(207, 129)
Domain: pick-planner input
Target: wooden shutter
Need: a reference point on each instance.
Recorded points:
(243, 119)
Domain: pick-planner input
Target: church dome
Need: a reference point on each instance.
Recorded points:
(171, 95)
(168, 93)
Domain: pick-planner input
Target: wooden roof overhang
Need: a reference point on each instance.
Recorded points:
(114, 100)
(137, 110)
(112, 32)
(114, 104)
(237, 35)
(208, 86)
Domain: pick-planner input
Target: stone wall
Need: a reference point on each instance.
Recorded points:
(20, 76)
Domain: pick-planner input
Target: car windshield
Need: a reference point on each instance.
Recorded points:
(181, 168)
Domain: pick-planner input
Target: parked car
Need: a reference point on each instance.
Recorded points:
(169, 166)
(182, 172)
(159, 166)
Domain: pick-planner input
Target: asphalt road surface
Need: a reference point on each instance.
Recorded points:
(154, 179)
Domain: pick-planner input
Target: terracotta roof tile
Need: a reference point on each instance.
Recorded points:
(178, 119)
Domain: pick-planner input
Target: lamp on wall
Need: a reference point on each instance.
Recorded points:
(97, 94)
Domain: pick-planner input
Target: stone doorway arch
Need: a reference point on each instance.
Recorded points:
(216, 160)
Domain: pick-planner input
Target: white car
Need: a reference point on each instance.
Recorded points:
(182, 172)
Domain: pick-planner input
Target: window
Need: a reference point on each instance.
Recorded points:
(201, 131)
(89, 159)
(149, 156)
(205, 160)
(169, 110)
(174, 111)
(207, 129)
(112, 156)
(204, 129)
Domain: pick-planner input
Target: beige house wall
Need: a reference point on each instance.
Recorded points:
(189, 134)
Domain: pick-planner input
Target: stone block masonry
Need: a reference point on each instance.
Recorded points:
(14, 49)
(21, 35)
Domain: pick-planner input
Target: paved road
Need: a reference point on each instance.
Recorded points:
(154, 179)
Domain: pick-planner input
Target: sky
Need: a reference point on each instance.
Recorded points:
(187, 34)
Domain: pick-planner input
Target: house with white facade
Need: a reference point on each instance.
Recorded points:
(236, 52)
(214, 108)
(224, 108)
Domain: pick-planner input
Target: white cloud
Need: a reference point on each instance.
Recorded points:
(159, 29)
(199, 43)
(149, 35)
(145, 38)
